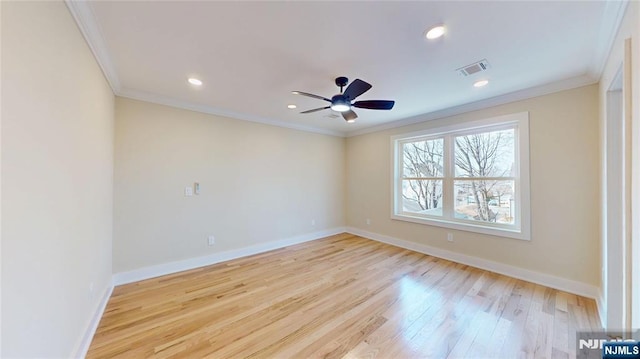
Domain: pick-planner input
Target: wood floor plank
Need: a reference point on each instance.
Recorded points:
(340, 297)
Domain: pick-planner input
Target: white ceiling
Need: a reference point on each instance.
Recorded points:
(251, 55)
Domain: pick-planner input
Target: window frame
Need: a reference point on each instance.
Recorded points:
(521, 229)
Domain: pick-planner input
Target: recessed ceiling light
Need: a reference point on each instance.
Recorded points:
(194, 81)
(435, 32)
(481, 83)
(291, 106)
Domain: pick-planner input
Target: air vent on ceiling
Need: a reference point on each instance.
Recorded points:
(479, 66)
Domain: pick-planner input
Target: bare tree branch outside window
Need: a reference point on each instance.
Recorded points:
(423, 165)
(483, 158)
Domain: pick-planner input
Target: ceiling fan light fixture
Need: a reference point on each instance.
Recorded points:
(352, 120)
(340, 103)
(435, 32)
(340, 107)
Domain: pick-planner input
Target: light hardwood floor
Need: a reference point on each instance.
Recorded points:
(342, 296)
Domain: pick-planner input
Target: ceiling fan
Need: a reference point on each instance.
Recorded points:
(342, 101)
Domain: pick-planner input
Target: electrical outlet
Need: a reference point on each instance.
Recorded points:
(188, 191)
(368, 221)
(91, 287)
(212, 240)
(450, 237)
(313, 222)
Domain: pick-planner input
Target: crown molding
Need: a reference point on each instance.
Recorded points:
(531, 92)
(167, 101)
(86, 21)
(609, 27)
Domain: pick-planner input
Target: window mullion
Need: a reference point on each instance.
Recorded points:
(447, 183)
(399, 161)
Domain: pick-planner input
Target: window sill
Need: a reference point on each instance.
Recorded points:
(468, 227)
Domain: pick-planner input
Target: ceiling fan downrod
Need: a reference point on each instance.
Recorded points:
(341, 82)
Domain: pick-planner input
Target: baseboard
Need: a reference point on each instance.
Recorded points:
(602, 309)
(567, 285)
(85, 342)
(191, 263)
(564, 284)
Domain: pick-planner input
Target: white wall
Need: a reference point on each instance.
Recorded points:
(259, 183)
(57, 181)
(612, 264)
(564, 189)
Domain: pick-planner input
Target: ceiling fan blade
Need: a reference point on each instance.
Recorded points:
(375, 104)
(356, 88)
(316, 109)
(349, 115)
(310, 95)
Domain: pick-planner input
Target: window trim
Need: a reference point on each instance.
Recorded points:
(522, 228)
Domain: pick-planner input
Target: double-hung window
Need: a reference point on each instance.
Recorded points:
(472, 176)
